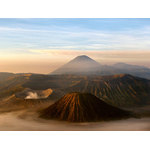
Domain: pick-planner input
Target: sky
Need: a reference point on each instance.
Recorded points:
(42, 45)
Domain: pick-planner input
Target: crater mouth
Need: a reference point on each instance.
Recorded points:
(34, 94)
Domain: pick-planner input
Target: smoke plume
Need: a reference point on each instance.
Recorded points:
(32, 95)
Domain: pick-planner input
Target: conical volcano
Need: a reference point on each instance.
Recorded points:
(82, 107)
(79, 65)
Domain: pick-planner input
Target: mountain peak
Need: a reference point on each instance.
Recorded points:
(79, 65)
(83, 58)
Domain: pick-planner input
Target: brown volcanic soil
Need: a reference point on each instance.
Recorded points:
(82, 107)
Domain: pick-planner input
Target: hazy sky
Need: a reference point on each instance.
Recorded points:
(41, 45)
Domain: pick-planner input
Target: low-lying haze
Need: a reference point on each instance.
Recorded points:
(16, 121)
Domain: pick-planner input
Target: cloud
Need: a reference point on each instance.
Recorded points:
(102, 55)
(75, 38)
(52, 44)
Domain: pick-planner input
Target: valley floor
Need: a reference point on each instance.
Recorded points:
(28, 121)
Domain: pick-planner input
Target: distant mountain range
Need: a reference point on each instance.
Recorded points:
(83, 65)
(135, 70)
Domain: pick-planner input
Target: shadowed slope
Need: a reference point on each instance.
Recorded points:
(121, 90)
(82, 107)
